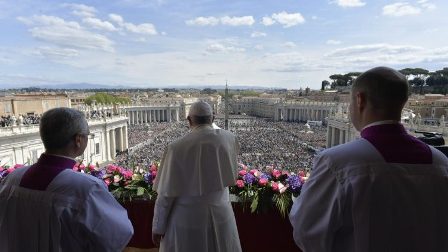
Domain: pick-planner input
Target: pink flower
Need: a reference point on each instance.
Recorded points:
(253, 171)
(154, 174)
(274, 186)
(276, 173)
(242, 172)
(18, 166)
(81, 166)
(75, 168)
(263, 181)
(301, 174)
(153, 168)
(240, 183)
(1, 168)
(107, 181)
(91, 167)
(10, 169)
(282, 188)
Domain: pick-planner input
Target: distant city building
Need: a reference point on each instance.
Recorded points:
(31, 104)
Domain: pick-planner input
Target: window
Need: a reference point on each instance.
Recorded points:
(97, 148)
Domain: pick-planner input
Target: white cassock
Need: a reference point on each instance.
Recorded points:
(193, 210)
(75, 213)
(389, 193)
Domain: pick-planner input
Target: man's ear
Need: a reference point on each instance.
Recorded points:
(78, 140)
(361, 101)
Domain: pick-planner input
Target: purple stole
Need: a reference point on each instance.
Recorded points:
(40, 174)
(396, 145)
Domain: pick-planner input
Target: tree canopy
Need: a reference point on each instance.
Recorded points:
(103, 98)
(420, 80)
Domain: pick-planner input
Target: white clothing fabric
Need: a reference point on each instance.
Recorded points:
(75, 213)
(200, 223)
(192, 209)
(355, 201)
(201, 162)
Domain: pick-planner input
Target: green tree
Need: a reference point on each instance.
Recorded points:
(325, 84)
(104, 98)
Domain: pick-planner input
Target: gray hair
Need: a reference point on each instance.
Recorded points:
(58, 127)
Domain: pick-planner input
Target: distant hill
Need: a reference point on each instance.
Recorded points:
(82, 86)
(102, 86)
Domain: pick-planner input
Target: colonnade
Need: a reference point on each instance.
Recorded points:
(147, 115)
(305, 114)
(116, 140)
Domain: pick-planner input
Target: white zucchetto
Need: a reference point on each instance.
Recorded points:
(200, 108)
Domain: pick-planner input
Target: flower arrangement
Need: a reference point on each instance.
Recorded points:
(5, 170)
(124, 183)
(264, 189)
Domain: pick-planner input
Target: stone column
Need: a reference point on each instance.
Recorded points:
(341, 136)
(125, 137)
(328, 136)
(145, 116)
(120, 139)
(177, 114)
(107, 145)
(129, 117)
(333, 137)
(112, 144)
(169, 111)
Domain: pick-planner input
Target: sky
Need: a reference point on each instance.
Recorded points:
(164, 43)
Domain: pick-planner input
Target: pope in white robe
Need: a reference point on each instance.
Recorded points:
(193, 210)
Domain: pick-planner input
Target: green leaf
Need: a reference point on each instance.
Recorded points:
(254, 204)
(140, 191)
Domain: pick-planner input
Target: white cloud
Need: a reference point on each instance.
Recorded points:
(333, 42)
(350, 3)
(426, 5)
(400, 9)
(144, 28)
(63, 33)
(313, 17)
(44, 20)
(377, 54)
(117, 19)
(238, 21)
(257, 34)
(203, 21)
(288, 19)
(267, 21)
(56, 53)
(290, 44)
(259, 47)
(98, 24)
(82, 10)
(226, 20)
(218, 47)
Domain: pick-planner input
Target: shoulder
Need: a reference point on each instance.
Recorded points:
(80, 183)
(438, 157)
(359, 148)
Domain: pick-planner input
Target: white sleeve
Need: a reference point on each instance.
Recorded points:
(162, 210)
(106, 223)
(317, 213)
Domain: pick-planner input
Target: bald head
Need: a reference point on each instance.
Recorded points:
(385, 88)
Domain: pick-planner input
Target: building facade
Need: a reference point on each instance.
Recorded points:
(22, 144)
